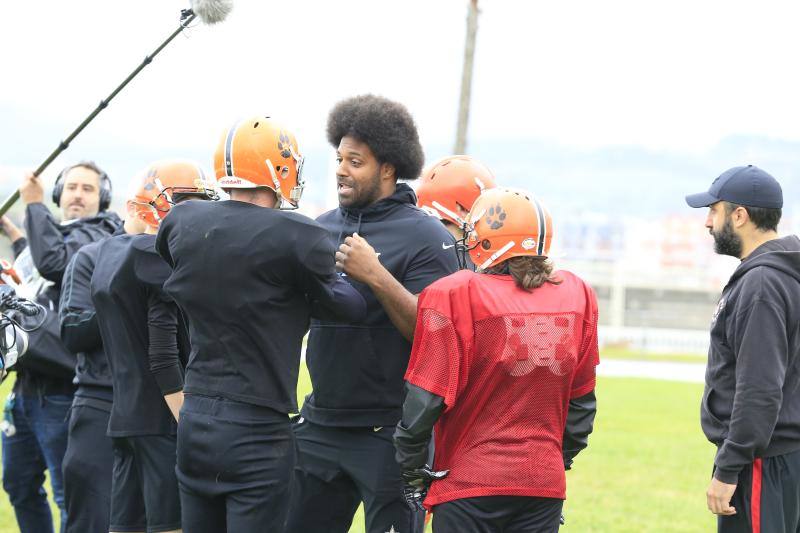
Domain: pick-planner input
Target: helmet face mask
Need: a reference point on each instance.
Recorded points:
(297, 191)
(179, 194)
(258, 152)
(166, 183)
(506, 223)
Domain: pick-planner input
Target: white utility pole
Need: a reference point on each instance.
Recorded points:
(466, 78)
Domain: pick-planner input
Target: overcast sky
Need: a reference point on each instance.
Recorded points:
(677, 76)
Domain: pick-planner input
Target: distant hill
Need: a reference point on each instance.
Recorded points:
(621, 180)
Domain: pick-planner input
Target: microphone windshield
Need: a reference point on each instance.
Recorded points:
(212, 11)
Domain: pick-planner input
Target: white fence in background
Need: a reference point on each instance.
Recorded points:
(655, 340)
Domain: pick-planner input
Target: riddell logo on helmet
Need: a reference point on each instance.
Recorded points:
(231, 181)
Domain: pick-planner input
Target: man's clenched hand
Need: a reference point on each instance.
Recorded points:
(31, 191)
(416, 483)
(718, 497)
(358, 259)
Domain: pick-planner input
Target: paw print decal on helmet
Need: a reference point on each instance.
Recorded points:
(285, 145)
(150, 180)
(495, 217)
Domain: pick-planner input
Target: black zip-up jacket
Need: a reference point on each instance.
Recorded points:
(79, 330)
(49, 367)
(357, 369)
(751, 403)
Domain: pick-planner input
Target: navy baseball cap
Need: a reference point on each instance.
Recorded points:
(749, 186)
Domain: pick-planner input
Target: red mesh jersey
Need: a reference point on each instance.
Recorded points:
(506, 362)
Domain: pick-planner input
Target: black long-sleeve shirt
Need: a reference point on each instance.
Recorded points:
(249, 278)
(145, 341)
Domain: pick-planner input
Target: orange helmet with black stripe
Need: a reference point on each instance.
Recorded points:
(165, 183)
(259, 152)
(449, 187)
(506, 223)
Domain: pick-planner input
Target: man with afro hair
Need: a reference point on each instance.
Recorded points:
(389, 250)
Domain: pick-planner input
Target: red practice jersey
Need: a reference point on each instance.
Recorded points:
(507, 362)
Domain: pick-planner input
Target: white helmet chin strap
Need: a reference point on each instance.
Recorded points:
(460, 221)
(478, 216)
(495, 256)
(275, 182)
(163, 190)
(431, 211)
(297, 190)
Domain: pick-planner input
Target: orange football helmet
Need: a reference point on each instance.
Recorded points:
(506, 223)
(451, 185)
(259, 152)
(164, 183)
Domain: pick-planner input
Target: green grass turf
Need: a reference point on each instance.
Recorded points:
(7, 520)
(646, 468)
(647, 465)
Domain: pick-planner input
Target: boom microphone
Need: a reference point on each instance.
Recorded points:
(209, 12)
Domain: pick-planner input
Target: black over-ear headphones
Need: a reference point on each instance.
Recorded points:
(105, 184)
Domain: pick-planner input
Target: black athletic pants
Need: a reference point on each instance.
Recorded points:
(338, 468)
(498, 514)
(144, 489)
(87, 467)
(235, 462)
(767, 497)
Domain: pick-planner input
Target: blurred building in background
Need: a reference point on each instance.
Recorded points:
(657, 280)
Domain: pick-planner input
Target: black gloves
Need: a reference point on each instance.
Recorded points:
(416, 483)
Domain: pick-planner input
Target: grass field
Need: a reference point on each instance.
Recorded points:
(646, 468)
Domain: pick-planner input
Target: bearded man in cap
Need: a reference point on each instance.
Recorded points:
(751, 403)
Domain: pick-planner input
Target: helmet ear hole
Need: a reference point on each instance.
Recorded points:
(486, 244)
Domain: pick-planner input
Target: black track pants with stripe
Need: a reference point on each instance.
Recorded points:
(767, 497)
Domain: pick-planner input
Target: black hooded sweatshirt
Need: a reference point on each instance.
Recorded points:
(49, 367)
(751, 403)
(357, 369)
